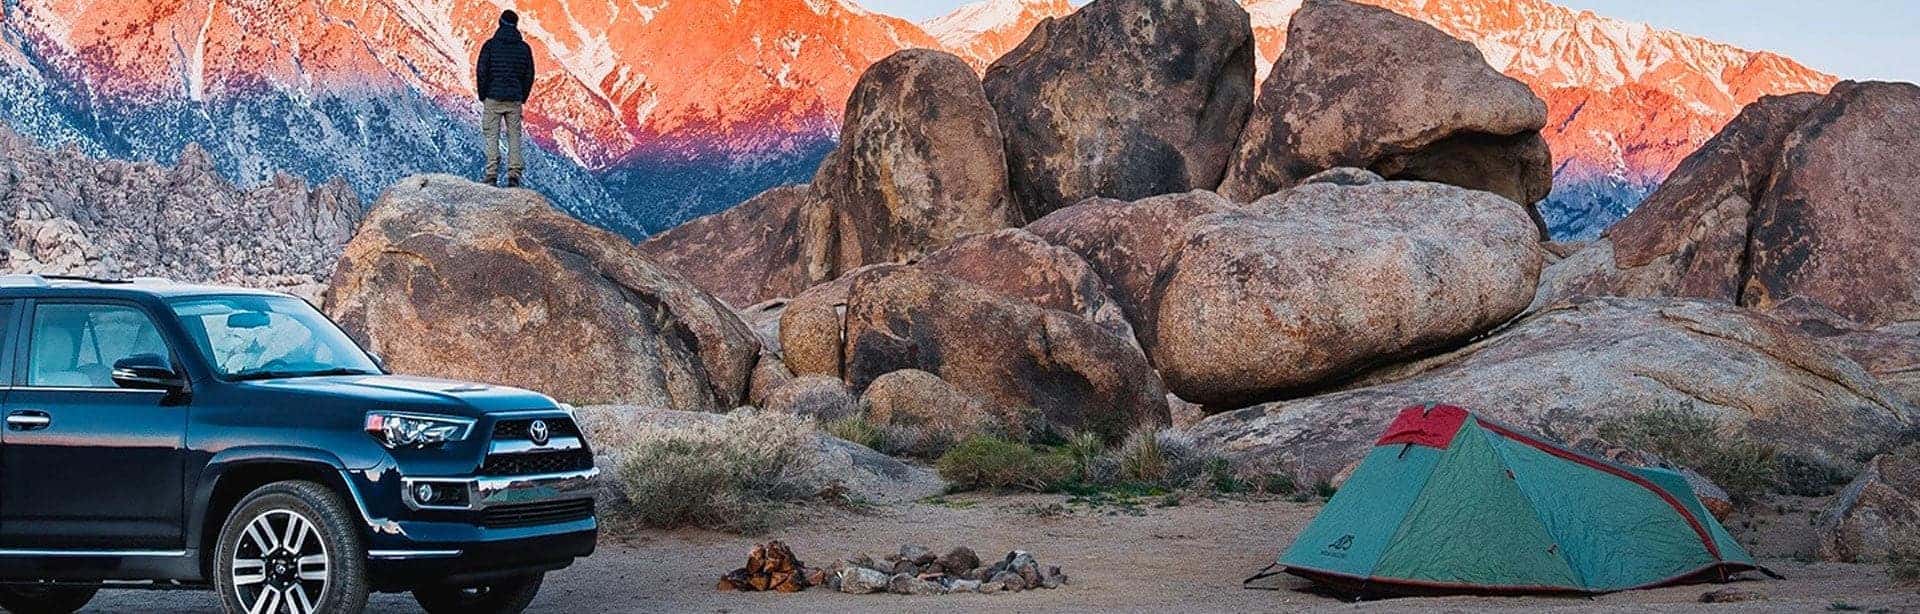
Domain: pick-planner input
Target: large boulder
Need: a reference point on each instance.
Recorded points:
(920, 163)
(450, 278)
(747, 254)
(1124, 99)
(1861, 524)
(1018, 264)
(1839, 226)
(813, 325)
(1805, 206)
(1689, 238)
(1365, 87)
(1566, 370)
(1076, 374)
(1127, 242)
(1316, 283)
(937, 412)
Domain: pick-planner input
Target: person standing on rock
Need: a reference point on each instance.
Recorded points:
(505, 78)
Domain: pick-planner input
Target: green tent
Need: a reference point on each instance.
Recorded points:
(1450, 503)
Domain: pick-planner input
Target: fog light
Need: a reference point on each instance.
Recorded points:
(443, 494)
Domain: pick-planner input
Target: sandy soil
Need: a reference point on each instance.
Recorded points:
(1150, 559)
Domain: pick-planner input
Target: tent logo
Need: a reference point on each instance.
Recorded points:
(1339, 547)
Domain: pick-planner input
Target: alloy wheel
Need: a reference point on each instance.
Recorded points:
(280, 564)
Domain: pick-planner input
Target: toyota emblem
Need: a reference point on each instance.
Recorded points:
(538, 432)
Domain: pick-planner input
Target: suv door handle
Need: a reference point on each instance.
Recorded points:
(28, 420)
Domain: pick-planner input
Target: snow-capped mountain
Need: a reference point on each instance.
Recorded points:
(983, 31)
(650, 112)
(1626, 101)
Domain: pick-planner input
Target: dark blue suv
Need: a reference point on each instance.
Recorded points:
(167, 436)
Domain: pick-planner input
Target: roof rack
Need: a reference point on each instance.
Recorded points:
(38, 280)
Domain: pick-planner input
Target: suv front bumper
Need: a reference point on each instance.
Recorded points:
(507, 526)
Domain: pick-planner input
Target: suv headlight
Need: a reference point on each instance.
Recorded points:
(399, 430)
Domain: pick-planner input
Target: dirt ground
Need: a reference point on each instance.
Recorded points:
(1120, 558)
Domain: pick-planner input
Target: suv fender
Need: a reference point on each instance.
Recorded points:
(234, 472)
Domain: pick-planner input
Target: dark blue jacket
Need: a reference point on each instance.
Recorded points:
(505, 71)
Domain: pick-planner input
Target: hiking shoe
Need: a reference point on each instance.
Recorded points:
(491, 180)
(513, 182)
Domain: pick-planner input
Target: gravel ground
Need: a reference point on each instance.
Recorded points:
(1188, 558)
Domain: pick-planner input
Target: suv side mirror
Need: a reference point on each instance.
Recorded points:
(147, 372)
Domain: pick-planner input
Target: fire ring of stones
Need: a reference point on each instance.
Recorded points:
(914, 570)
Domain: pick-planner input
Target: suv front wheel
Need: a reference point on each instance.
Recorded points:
(291, 547)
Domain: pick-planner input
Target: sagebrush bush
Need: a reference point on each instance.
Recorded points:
(989, 461)
(1165, 457)
(731, 475)
(1745, 468)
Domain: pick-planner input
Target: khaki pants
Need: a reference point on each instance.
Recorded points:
(492, 114)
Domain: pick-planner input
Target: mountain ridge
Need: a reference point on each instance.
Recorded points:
(642, 127)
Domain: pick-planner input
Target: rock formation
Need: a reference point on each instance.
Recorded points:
(1076, 374)
(1805, 206)
(1365, 87)
(938, 412)
(1124, 99)
(813, 326)
(1565, 370)
(920, 164)
(1127, 242)
(747, 254)
(1018, 264)
(1689, 238)
(1315, 283)
(1860, 524)
(66, 213)
(1839, 226)
(447, 277)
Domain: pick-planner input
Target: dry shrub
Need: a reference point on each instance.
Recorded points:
(731, 475)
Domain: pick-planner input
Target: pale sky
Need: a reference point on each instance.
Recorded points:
(1855, 39)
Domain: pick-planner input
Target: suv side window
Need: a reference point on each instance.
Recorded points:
(75, 345)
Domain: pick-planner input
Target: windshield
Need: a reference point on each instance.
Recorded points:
(268, 337)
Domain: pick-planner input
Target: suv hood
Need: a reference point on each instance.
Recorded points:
(409, 392)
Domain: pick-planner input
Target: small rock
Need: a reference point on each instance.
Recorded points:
(912, 553)
(906, 584)
(965, 586)
(1009, 580)
(906, 567)
(959, 560)
(989, 588)
(1052, 577)
(862, 581)
(1732, 595)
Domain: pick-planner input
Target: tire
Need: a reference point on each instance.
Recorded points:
(256, 570)
(28, 599)
(502, 597)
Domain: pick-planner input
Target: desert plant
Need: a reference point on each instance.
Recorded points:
(988, 461)
(1165, 458)
(1745, 468)
(729, 475)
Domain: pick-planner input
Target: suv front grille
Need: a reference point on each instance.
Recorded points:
(532, 463)
(517, 430)
(530, 514)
